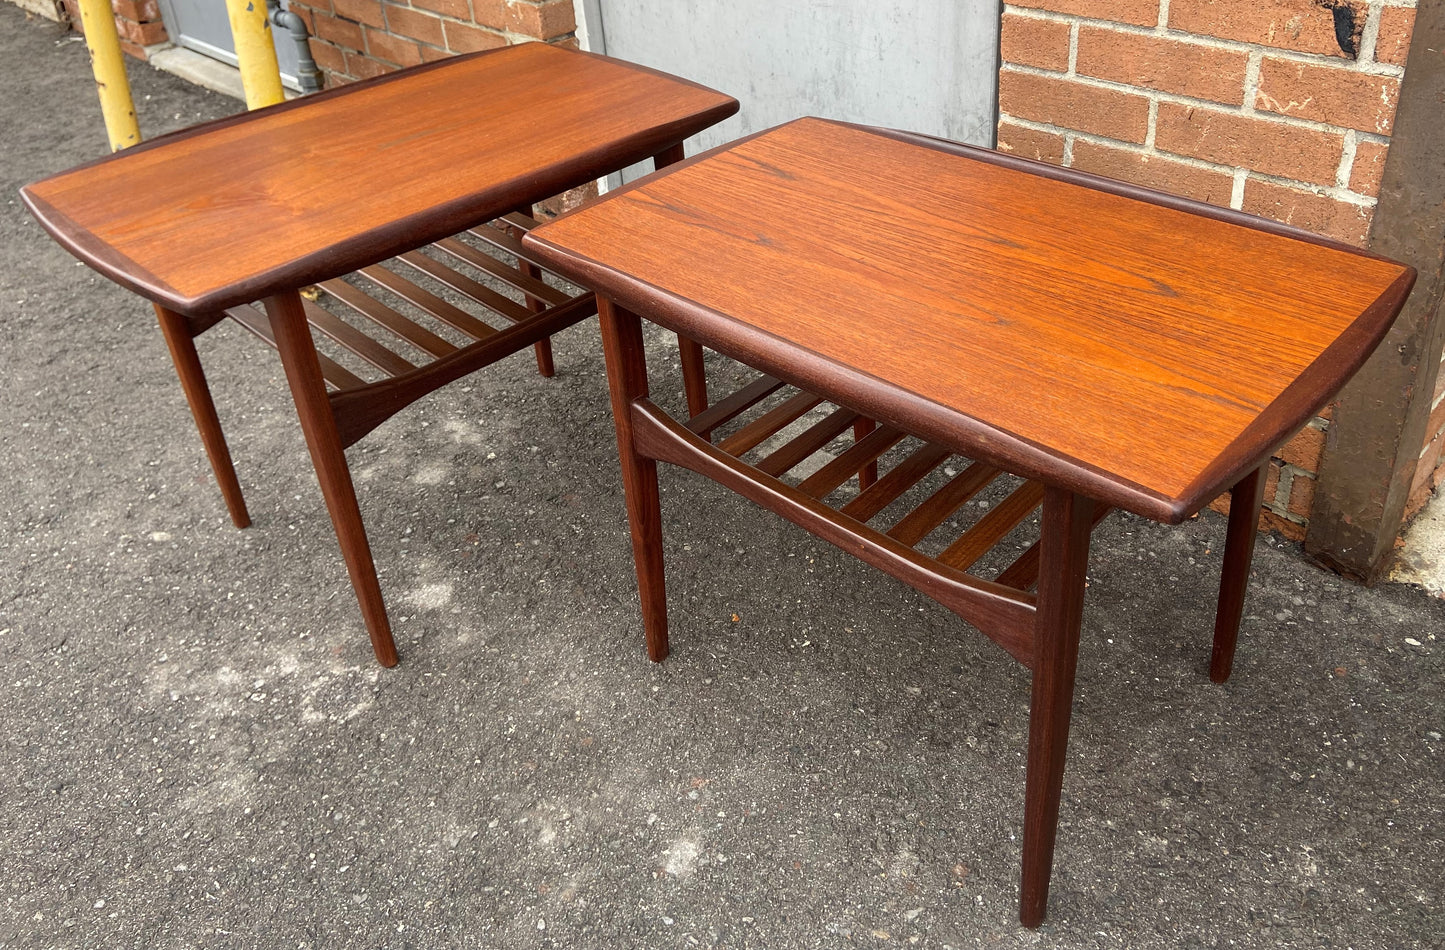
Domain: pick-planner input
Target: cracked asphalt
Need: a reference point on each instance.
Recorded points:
(199, 751)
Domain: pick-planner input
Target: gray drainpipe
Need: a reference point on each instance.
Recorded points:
(306, 72)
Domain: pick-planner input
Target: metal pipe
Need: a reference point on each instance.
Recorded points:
(255, 53)
(108, 64)
(307, 73)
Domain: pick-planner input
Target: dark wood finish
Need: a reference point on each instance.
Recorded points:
(1067, 520)
(1005, 616)
(769, 424)
(869, 474)
(819, 434)
(308, 389)
(921, 521)
(181, 342)
(1111, 345)
(205, 221)
(334, 182)
(627, 383)
(724, 410)
(1157, 323)
(1245, 500)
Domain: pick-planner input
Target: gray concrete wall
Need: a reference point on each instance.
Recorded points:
(926, 65)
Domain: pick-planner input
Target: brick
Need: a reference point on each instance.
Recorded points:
(1301, 495)
(1426, 467)
(1031, 41)
(392, 49)
(329, 58)
(1155, 171)
(416, 24)
(467, 39)
(361, 11)
(341, 32)
(493, 14)
(138, 10)
(1304, 26)
(1074, 105)
(1393, 43)
(1136, 12)
(1031, 143)
(430, 54)
(364, 67)
(142, 34)
(1331, 94)
(542, 20)
(1163, 63)
(131, 49)
(1305, 449)
(1262, 144)
(453, 8)
(1368, 168)
(1271, 482)
(1305, 209)
(566, 42)
(311, 6)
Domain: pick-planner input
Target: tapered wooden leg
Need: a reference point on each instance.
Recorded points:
(627, 381)
(1064, 556)
(1245, 499)
(308, 389)
(869, 473)
(193, 381)
(694, 375)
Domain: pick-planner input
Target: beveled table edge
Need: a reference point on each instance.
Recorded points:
(378, 244)
(968, 435)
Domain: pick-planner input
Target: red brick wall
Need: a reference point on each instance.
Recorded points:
(1282, 108)
(356, 39)
(137, 23)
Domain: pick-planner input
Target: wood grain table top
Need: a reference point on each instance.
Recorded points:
(234, 210)
(1142, 349)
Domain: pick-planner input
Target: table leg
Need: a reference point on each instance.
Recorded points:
(542, 348)
(869, 473)
(1064, 556)
(627, 382)
(318, 423)
(198, 394)
(694, 375)
(1245, 500)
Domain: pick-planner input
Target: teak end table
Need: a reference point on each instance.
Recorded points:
(1070, 343)
(437, 167)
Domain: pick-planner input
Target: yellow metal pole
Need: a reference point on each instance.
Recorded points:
(256, 52)
(108, 65)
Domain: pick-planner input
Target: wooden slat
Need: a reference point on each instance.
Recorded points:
(865, 451)
(507, 242)
(379, 313)
(921, 521)
(416, 334)
(519, 220)
(1024, 572)
(769, 423)
(818, 435)
(475, 290)
(990, 529)
(904, 476)
(503, 272)
(348, 336)
(738, 402)
(334, 373)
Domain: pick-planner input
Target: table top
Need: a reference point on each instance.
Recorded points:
(234, 210)
(1142, 349)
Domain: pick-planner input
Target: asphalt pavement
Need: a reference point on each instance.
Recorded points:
(198, 750)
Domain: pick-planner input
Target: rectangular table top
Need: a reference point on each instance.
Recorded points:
(1141, 349)
(234, 210)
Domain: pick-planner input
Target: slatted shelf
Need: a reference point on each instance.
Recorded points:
(957, 513)
(396, 317)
